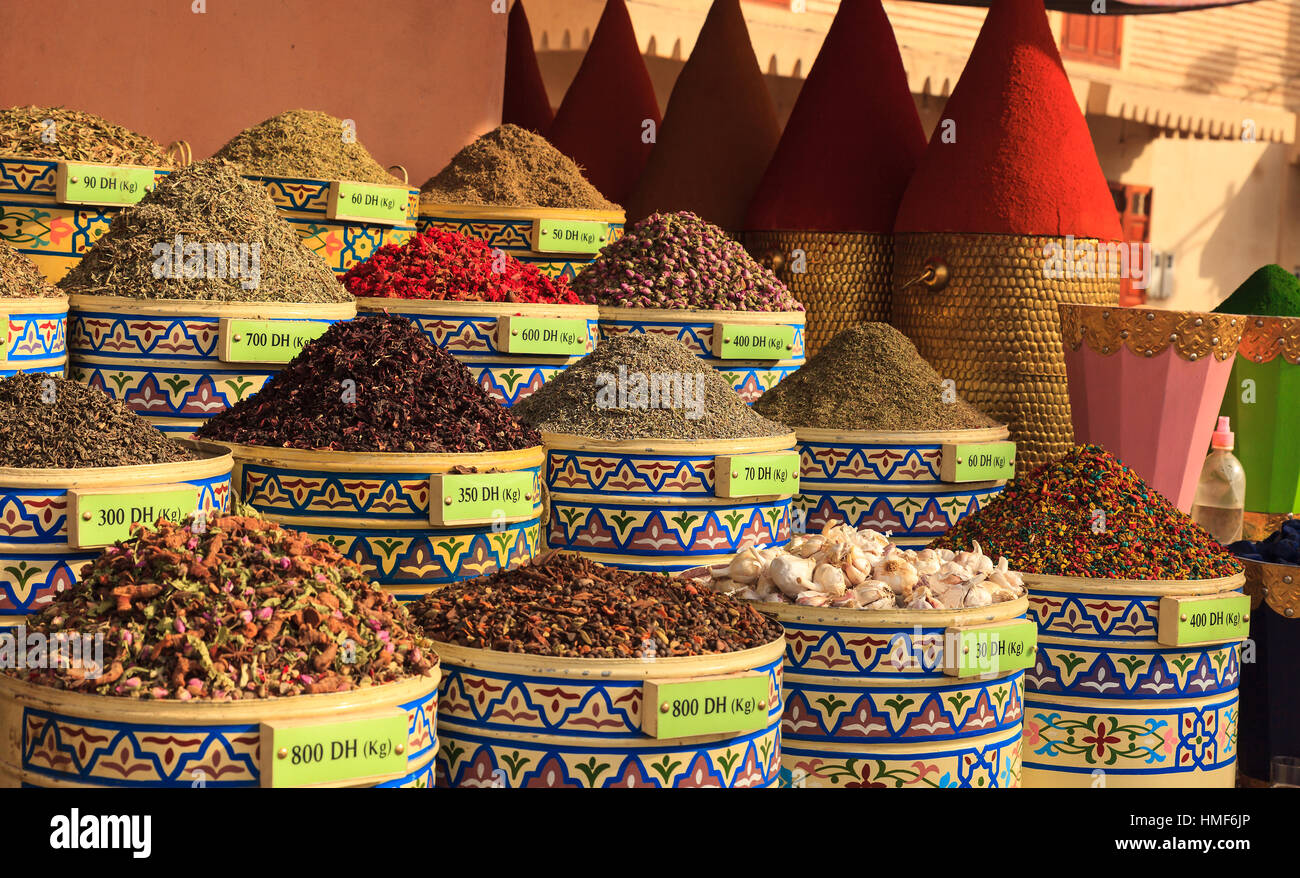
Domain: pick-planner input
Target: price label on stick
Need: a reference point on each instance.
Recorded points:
(704, 705)
(975, 650)
(349, 752)
(557, 336)
(266, 341)
(1190, 621)
(88, 183)
(978, 462)
(481, 498)
(756, 475)
(102, 517)
(734, 342)
(368, 203)
(569, 236)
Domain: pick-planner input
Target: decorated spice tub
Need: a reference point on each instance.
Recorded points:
(180, 362)
(52, 521)
(35, 335)
(649, 715)
(1135, 683)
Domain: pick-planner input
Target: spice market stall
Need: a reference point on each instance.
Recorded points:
(325, 184)
(182, 334)
(570, 674)
(379, 443)
(304, 658)
(1140, 617)
(33, 318)
(655, 463)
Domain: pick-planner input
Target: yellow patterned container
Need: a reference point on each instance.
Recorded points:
(177, 362)
(52, 738)
(1111, 703)
(478, 334)
(867, 702)
(37, 556)
(512, 720)
(655, 504)
(560, 242)
(53, 234)
(35, 335)
(375, 508)
(331, 232)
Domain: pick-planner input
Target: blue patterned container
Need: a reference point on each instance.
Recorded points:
(36, 335)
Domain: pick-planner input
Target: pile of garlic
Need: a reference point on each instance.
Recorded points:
(843, 567)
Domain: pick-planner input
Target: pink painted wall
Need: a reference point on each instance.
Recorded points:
(421, 78)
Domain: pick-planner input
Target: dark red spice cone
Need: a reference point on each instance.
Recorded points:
(718, 133)
(524, 102)
(853, 138)
(602, 117)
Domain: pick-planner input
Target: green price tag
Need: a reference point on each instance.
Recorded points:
(560, 336)
(978, 462)
(1189, 621)
(297, 754)
(734, 342)
(481, 498)
(86, 183)
(266, 341)
(368, 203)
(756, 475)
(569, 236)
(973, 651)
(704, 705)
(102, 517)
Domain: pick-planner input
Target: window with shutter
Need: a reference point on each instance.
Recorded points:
(1096, 39)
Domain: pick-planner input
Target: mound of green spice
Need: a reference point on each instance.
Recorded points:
(643, 387)
(870, 377)
(306, 144)
(75, 136)
(231, 609)
(1089, 515)
(513, 167)
(1271, 291)
(21, 279)
(204, 233)
(373, 384)
(48, 422)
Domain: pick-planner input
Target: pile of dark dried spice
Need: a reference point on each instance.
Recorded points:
(373, 384)
(21, 279)
(61, 133)
(572, 607)
(47, 422)
(240, 608)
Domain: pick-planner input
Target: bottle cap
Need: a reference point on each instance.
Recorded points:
(1223, 436)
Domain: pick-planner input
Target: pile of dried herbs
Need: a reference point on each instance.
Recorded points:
(47, 422)
(572, 607)
(513, 167)
(373, 384)
(231, 609)
(643, 387)
(204, 233)
(870, 377)
(306, 144)
(21, 279)
(60, 133)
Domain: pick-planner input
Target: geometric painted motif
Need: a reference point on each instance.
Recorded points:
(868, 465)
(985, 762)
(172, 392)
(915, 514)
(1115, 617)
(1088, 670)
(107, 336)
(681, 529)
(35, 336)
(595, 473)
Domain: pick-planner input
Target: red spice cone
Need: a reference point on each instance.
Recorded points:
(602, 117)
(524, 102)
(719, 131)
(853, 138)
(1023, 161)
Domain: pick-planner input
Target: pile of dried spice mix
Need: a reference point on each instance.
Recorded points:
(372, 384)
(21, 279)
(442, 265)
(236, 608)
(572, 607)
(1089, 515)
(870, 377)
(48, 422)
(305, 144)
(204, 233)
(71, 135)
(677, 260)
(513, 167)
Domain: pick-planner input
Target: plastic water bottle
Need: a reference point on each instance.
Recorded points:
(1221, 492)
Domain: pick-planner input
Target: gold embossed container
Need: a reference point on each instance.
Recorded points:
(1270, 726)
